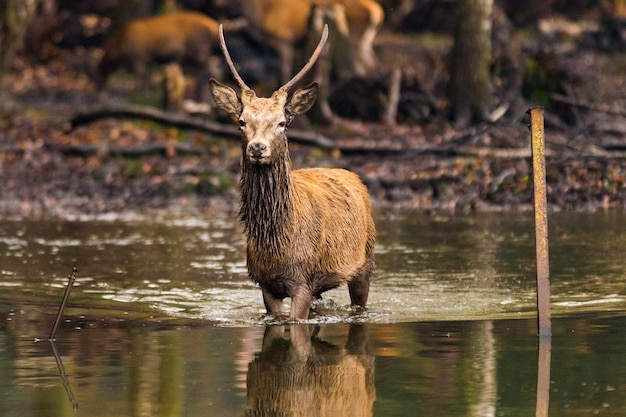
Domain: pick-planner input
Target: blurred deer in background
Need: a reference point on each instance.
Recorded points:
(286, 23)
(307, 230)
(186, 38)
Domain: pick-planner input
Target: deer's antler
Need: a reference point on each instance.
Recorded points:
(229, 60)
(318, 50)
(290, 83)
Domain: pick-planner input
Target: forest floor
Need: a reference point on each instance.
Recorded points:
(48, 168)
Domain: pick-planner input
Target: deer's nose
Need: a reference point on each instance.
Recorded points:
(257, 149)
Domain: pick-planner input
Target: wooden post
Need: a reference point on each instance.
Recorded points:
(541, 220)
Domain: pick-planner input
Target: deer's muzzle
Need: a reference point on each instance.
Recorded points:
(258, 152)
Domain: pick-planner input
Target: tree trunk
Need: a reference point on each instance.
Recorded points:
(129, 10)
(338, 59)
(14, 18)
(469, 88)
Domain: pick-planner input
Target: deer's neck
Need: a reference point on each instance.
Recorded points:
(266, 208)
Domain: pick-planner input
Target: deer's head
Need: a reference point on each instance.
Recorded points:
(264, 121)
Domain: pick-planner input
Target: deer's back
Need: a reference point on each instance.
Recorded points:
(333, 218)
(332, 186)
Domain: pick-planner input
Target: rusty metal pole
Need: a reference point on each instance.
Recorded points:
(541, 220)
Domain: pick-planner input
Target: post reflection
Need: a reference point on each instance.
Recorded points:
(543, 376)
(297, 373)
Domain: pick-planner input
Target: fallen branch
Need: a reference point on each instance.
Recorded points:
(448, 150)
(309, 138)
(150, 113)
(603, 108)
(185, 122)
(164, 149)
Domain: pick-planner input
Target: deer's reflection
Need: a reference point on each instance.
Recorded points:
(296, 373)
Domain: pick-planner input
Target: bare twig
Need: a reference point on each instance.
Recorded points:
(66, 295)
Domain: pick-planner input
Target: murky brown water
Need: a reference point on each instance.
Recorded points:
(163, 321)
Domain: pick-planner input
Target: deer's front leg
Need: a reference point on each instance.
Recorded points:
(273, 305)
(300, 305)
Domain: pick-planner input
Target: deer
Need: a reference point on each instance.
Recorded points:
(307, 230)
(285, 22)
(186, 38)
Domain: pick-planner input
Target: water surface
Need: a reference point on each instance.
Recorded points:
(162, 321)
(428, 267)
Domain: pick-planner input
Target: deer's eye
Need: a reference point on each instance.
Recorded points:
(282, 124)
(242, 123)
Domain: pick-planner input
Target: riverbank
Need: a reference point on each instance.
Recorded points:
(117, 165)
(111, 165)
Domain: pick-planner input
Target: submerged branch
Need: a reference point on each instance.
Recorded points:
(66, 295)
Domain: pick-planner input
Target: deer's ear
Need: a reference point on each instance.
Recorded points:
(302, 100)
(225, 97)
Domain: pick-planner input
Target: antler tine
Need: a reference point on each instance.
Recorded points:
(310, 63)
(229, 60)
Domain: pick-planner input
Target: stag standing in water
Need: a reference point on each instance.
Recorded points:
(307, 230)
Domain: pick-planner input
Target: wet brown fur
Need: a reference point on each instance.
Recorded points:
(308, 230)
